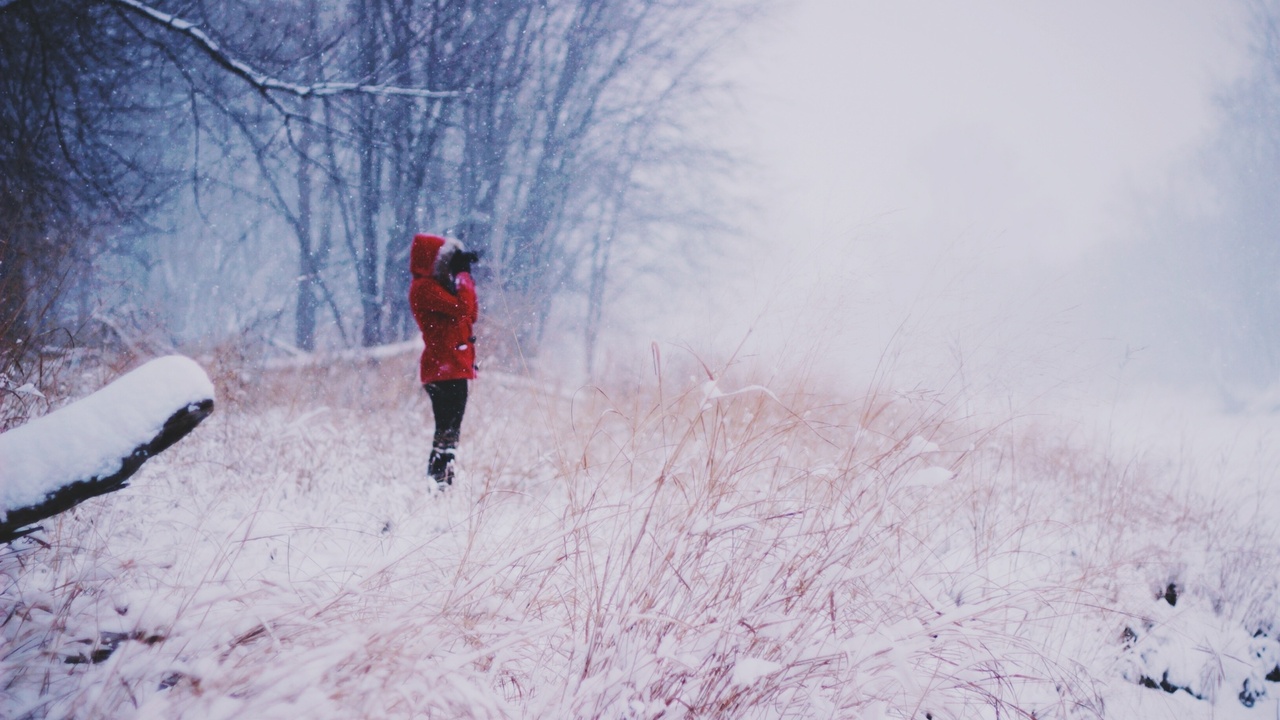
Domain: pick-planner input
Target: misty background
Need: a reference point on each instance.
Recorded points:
(1022, 189)
(1015, 189)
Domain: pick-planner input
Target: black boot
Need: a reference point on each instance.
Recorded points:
(440, 467)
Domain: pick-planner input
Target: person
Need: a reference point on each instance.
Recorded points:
(442, 297)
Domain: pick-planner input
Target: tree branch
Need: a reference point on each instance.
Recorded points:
(16, 520)
(260, 80)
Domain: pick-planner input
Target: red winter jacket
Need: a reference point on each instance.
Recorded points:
(445, 318)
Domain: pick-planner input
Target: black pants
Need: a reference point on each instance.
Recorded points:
(448, 403)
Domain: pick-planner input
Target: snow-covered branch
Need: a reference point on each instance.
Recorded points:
(94, 445)
(260, 80)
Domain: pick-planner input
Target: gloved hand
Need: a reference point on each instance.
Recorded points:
(461, 262)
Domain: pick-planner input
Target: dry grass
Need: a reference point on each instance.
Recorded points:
(664, 547)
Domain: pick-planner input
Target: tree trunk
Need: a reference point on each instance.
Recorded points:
(370, 196)
(305, 311)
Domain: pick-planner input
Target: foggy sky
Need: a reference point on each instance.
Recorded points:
(941, 174)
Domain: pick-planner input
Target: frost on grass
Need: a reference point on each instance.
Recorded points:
(612, 553)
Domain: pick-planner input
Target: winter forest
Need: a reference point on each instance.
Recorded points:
(817, 359)
(255, 170)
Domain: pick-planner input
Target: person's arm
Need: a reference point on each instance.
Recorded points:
(467, 295)
(427, 296)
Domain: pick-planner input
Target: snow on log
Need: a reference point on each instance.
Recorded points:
(92, 446)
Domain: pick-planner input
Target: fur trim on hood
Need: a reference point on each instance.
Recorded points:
(430, 255)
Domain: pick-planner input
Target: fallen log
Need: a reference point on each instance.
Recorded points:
(94, 445)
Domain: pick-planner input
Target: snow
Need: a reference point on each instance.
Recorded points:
(28, 389)
(792, 561)
(711, 391)
(748, 670)
(919, 446)
(928, 477)
(90, 437)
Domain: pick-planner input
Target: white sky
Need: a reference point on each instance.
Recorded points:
(917, 155)
(1014, 115)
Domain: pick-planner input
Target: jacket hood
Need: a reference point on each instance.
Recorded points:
(428, 254)
(422, 256)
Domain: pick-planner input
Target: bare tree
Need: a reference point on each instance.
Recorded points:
(603, 100)
(78, 154)
(425, 49)
(534, 130)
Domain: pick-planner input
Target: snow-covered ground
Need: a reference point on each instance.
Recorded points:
(661, 547)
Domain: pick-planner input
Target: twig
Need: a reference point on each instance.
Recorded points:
(261, 80)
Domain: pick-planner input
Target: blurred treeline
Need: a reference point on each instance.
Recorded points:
(1201, 290)
(179, 171)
